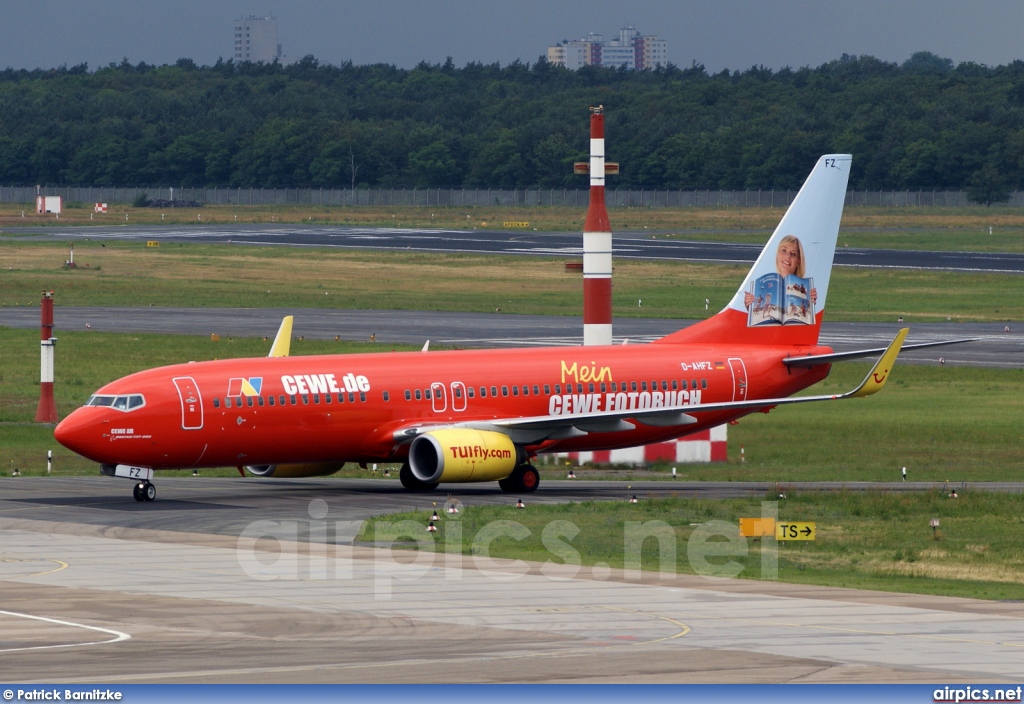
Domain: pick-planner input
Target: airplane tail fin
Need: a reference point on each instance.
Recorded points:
(782, 299)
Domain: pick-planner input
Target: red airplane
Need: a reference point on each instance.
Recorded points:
(482, 415)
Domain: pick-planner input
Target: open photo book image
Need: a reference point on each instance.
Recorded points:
(779, 300)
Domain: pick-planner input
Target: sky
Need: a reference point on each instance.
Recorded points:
(733, 34)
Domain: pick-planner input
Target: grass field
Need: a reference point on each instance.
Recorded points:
(195, 275)
(866, 541)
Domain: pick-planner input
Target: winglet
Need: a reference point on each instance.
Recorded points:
(283, 342)
(876, 378)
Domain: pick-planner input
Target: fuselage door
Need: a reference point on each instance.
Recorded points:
(438, 397)
(191, 403)
(739, 379)
(458, 396)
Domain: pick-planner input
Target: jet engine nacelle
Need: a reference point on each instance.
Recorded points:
(292, 471)
(463, 455)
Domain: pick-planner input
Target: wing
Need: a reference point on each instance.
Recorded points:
(533, 429)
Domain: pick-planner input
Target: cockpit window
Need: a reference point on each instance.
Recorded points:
(120, 402)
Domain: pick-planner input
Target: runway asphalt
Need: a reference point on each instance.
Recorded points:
(644, 244)
(208, 584)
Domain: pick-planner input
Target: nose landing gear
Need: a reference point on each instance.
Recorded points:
(144, 491)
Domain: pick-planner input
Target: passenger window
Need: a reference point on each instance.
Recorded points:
(469, 391)
(259, 400)
(458, 392)
(305, 399)
(281, 400)
(494, 391)
(426, 394)
(693, 384)
(633, 385)
(227, 402)
(675, 385)
(603, 389)
(547, 390)
(408, 395)
(249, 401)
(293, 400)
(591, 387)
(664, 385)
(526, 390)
(327, 398)
(387, 396)
(351, 398)
(558, 388)
(341, 398)
(515, 390)
(643, 386)
(703, 383)
(504, 391)
(316, 398)
(419, 394)
(483, 392)
(536, 390)
(216, 403)
(270, 400)
(362, 396)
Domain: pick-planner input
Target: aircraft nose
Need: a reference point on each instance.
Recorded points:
(75, 432)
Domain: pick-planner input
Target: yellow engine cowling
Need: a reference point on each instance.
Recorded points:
(293, 471)
(463, 455)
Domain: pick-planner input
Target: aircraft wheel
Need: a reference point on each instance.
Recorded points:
(524, 479)
(410, 482)
(149, 492)
(529, 479)
(137, 493)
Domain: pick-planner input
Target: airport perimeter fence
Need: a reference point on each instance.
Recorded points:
(479, 197)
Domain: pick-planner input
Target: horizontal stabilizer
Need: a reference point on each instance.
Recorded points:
(817, 359)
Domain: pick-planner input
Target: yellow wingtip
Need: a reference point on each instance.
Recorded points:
(283, 342)
(879, 373)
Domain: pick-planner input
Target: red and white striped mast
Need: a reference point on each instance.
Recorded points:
(47, 410)
(597, 241)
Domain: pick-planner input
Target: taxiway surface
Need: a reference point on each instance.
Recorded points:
(191, 589)
(995, 346)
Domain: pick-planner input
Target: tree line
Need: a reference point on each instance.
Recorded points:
(923, 124)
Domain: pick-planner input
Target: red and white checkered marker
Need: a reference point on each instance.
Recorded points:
(706, 446)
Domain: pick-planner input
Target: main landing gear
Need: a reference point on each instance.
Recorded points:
(144, 491)
(524, 479)
(410, 482)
